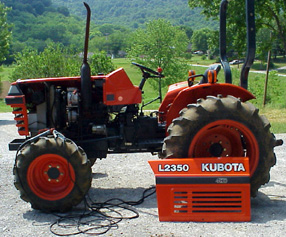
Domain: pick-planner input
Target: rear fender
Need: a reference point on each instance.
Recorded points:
(191, 94)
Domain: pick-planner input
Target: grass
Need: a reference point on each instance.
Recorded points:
(275, 111)
(276, 117)
(6, 72)
(196, 59)
(132, 71)
(279, 61)
(3, 107)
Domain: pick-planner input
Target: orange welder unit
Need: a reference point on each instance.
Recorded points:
(203, 189)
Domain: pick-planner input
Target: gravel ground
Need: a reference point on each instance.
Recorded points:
(126, 176)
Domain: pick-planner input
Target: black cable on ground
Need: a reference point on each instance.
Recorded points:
(97, 218)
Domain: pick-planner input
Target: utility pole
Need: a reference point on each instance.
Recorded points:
(266, 78)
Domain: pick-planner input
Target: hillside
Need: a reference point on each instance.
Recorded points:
(134, 13)
(38, 23)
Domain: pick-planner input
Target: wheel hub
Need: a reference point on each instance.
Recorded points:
(216, 149)
(53, 173)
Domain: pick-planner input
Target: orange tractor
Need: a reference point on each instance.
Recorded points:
(69, 122)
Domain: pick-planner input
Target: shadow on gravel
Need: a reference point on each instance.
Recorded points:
(40, 218)
(265, 208)
(99, 175)
(126, 194)
(272, 183)
(80, 219)
(99, 195)
(6, 122)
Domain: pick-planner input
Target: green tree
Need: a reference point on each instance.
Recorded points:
(56, 61)
(63, 10)
(118, 41)
(189, 31)
(273, 16)
(106, 29)
(213, 44)
(36, 7)
(5, 33)
(200, 40)
(110, 38)
(264, 43)
(161, 44)
(269, 13)
(100, 63)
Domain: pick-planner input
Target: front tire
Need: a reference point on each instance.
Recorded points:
(53, 174)
(223, 127)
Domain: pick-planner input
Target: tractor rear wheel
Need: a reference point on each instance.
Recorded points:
(223, 127)
(53, 174)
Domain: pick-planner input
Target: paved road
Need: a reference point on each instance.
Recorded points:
(126, 176)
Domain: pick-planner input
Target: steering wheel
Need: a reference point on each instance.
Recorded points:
(146, 69)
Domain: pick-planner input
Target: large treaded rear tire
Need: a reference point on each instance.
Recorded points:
(218, 126)
(53, 174)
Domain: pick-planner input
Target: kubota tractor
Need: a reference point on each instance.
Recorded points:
(69, 122)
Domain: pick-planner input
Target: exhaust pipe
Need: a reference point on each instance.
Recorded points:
(251, 44)
(85, 69)
(222, 42)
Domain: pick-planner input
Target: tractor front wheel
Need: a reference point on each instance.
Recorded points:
(53, 174)
(223, 127)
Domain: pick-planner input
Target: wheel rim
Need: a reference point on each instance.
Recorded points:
(225, 138)
(51, 177)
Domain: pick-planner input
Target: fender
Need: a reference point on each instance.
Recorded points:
(190, 95)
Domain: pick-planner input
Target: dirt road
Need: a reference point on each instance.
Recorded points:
(126, 176)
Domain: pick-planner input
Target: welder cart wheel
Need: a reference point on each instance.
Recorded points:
(223, 127)
(53, 174)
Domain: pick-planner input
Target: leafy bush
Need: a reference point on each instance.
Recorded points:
(100, 63)
(56, 61)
